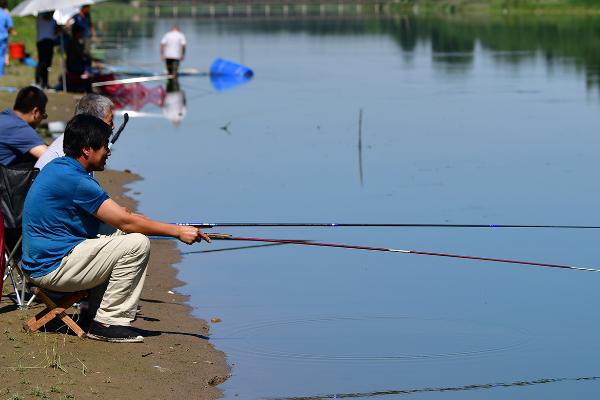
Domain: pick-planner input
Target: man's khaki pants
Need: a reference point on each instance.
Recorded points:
(112, 267)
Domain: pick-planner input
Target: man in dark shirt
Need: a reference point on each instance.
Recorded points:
(20, 145)
(84, 20)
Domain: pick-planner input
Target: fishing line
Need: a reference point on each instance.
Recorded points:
(219, 236)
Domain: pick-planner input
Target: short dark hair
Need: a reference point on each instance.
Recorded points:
(85, 131)
(30, 97)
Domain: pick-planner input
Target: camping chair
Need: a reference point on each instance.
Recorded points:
(2, 263)
(14, 185)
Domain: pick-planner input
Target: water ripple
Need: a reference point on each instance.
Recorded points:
(479, 386)
(332, 339)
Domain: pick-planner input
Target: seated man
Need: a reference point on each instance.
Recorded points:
(20, 145)
(90, 104)
(61, 248)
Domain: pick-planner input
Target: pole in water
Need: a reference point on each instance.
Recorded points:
(220, 236)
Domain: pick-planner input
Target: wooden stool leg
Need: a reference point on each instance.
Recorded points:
(54, 310)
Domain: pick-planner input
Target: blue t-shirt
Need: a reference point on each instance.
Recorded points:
(16, 138)
(58, 214)
(5, 24)
(85, 23)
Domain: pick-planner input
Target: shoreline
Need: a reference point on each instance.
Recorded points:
(176, 358)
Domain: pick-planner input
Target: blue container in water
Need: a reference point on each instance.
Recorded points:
(225, 67)
(227, 82)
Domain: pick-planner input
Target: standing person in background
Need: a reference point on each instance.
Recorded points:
(6, 27)
(46, 32)
(83, 20)
(6, 57)
(172, 49)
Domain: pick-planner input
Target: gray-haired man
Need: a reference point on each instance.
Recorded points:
(91, 104)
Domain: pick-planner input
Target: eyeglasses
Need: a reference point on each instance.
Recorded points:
(44, 115)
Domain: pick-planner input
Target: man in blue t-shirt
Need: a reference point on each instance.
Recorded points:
(20, 145)
(84, 20)
(62, 250)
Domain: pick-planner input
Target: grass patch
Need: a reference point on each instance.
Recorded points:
(56, 389)
(38, 392)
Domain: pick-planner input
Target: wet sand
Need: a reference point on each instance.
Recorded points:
(175, 361)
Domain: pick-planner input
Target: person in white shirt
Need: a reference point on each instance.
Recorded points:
(172, 49)
(91, 104)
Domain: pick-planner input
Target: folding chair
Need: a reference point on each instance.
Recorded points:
(55, 309)
(14, 185)
(2, 263)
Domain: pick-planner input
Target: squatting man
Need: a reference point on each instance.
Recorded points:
(62, 250)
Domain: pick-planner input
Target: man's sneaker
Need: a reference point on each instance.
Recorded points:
(114, 333)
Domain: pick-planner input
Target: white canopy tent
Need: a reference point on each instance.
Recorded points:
(34, 7)
(63, 11)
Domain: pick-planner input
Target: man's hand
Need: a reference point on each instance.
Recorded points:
(121, 218)
(191, 234)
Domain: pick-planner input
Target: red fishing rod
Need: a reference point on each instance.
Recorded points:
(221, 236)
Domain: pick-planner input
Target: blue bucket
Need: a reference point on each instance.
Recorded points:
(227, 82)
(225, 67)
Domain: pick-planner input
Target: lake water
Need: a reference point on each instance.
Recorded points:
(463, 121)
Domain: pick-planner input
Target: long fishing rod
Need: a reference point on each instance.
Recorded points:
(208, 225)
(221, 236)
(125, 81)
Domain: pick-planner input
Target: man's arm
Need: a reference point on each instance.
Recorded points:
(119, 217)
(37, 151)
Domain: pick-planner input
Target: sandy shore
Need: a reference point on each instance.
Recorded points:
(175, 361)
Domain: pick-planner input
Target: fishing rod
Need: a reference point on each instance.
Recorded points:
(222, 236)
(134, 80)
(118, 133)
(208, 225)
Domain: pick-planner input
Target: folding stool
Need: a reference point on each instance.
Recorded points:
(55, 309)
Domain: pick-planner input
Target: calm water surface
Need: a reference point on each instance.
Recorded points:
(463, 122)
